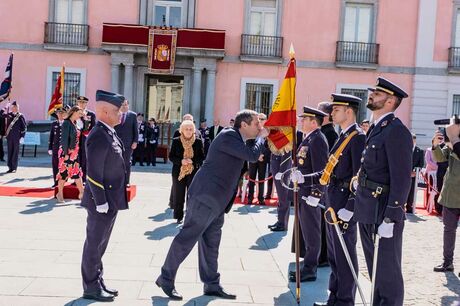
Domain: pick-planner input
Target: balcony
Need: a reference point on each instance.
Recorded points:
(261, 48)
(454, 60)
(357, 55)
(66, 36)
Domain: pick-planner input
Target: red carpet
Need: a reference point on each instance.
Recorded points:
(271, 202)
(70, 192)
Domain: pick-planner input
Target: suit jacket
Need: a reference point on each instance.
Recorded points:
(68, 136)
(212, 131)
(18, 130)
(418, 158)
(128, 131)
(386, 160)
(152, 134)
(216, 181)
(312, 156)
(330, 133)
(55, 136)
(176, 154)
(106, 176)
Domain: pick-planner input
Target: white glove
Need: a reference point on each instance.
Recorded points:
(344, 214)
(312, 201)
(297, 177)
(21, 140)
(50, 152)
(278, 176)
(385, 230)
(103, 209)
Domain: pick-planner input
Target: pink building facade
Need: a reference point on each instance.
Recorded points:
(341, 46)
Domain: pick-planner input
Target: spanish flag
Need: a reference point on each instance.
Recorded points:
(282, 120)
(56, 99)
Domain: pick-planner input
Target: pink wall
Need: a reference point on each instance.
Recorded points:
(30, 75)
(443, 31)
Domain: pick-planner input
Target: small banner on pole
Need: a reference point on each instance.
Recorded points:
(162, 50)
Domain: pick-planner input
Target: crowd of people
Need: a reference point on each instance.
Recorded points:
(361, 179)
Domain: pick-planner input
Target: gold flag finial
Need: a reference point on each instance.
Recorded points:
(291, 51)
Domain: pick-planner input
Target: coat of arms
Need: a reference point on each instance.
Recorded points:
(162, 53)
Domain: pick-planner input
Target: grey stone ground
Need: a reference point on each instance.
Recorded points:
(41, 243)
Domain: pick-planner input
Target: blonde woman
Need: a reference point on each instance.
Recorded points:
(187, 155)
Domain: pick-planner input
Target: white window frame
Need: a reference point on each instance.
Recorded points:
(455, 20)
(245, 81)
(49, 80)
(168, 5)
(278, 11)
(53, 11)
(373, 21)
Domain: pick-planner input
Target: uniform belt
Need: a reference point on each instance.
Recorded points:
(366, 183)
(340, 183)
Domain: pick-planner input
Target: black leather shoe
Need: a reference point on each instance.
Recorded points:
(267, 197)
(278, 228)
(100, 296)
(273, 225)
(262, 202)
(221, 294)
(444, 268)
(111, 291)
(170, 292)
(250, 201)
(9, 171)
(303, 278)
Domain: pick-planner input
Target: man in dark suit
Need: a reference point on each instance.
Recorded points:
(139, 152)
(2, 134)
(383, 186)
(209, 197)
(205, 135)
(312, 156)
(215, 130)
(348, 150)
(88, 122)
(15, 131)
(418, 161)
(54, 141)
(105, 193)
(128, 133)
(327, 128)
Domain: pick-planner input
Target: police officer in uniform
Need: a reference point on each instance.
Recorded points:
(383, 185)
(312, 156)
(15, 132)
(104, 195)
(88, 122)
(342, 287)
(54, 142)
(209, 196)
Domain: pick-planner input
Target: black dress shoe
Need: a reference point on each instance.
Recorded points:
(170, 292)
(111, 291)
(278, 228)
(444, 268)
(9, 171)
(100, 296)
(250, 201)
(273, 225)
(267, 197)
(262, 202)
(303, 278)
(221, 294)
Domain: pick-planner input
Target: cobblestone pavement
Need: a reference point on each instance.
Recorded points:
(41, 243)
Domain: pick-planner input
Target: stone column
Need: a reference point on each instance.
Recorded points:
(115, 77)
(128, 86)
(196, 94)
(210, 94)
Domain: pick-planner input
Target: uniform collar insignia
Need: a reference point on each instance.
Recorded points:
(384, 123)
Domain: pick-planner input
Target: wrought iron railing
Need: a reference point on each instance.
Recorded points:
(454, 58)
(66, 34)
(260, 45)
(350, 52)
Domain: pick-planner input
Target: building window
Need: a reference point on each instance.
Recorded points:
(262, 17)
(259, 97)
(168, 13)
(456, 105)
(358, 22)
(360, 93)
(72, 84)
(69, 11)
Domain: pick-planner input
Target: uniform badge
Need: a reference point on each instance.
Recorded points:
(301, 161)
(384, 123)
(303, 152)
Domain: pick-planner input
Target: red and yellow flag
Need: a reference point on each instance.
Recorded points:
(282, 120)
(56, 99)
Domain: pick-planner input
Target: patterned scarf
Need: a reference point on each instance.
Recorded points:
(188, 154)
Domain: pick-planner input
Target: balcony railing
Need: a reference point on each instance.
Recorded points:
(454, 58)
(261, 46)
(66, 34)
(357, 53)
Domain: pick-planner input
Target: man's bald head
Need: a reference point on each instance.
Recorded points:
(108, 113)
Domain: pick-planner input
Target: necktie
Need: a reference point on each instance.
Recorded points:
(123, 118)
